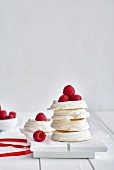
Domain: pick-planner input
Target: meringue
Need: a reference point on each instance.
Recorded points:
(67, 105)
(32, 125)
(78, 125)
(70, 114)
(71, 136)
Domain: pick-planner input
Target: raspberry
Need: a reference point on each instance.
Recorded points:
(75, 97)
(68, 90)
(3, 114)
(9, 117)
(63, 98)
(39, 136)
(12, 114)
(40, 117)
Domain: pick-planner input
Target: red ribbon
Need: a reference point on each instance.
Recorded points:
(19, 153)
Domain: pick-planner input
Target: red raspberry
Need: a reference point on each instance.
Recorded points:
(75, 97)
(39, 136)
(9, 117)
(12, 114)
(41, 117)
(3, 114)
(68, 90)
(63, 98)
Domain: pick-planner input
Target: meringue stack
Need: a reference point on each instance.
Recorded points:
(69, 121)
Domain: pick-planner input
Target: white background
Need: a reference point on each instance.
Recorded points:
(47, 44)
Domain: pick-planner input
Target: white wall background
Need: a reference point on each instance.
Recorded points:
(46, 44)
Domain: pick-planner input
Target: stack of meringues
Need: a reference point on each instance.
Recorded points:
(69, 118)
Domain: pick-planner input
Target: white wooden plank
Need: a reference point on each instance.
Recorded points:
(19, 163)
(65, 164)
(88, 146)
(98, 125)
(107, 117)
(49, 146)
(104, 160)
(63, 155)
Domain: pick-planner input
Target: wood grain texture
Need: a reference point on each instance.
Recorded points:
(107, 118)
(19, 163)
(65, 164)
(105, 161)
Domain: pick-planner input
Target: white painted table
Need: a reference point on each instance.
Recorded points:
(104, 161)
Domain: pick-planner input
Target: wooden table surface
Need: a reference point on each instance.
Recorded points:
(103, 161)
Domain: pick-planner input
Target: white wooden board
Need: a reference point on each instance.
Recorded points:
(53, 149)
(37, 154)
(105, 161)
(65, 164)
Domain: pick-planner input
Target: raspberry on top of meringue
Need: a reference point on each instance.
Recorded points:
(41, 117)
(68, 100)
(41, 122)
(69, 94)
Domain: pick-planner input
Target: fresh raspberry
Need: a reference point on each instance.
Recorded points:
(3, 114)
(75, 97)
(12, 114)
(40, 117)
(68, 90)
(39, 136)
(63, 98)
(9, 117)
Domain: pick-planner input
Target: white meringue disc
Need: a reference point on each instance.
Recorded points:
(71, 136)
